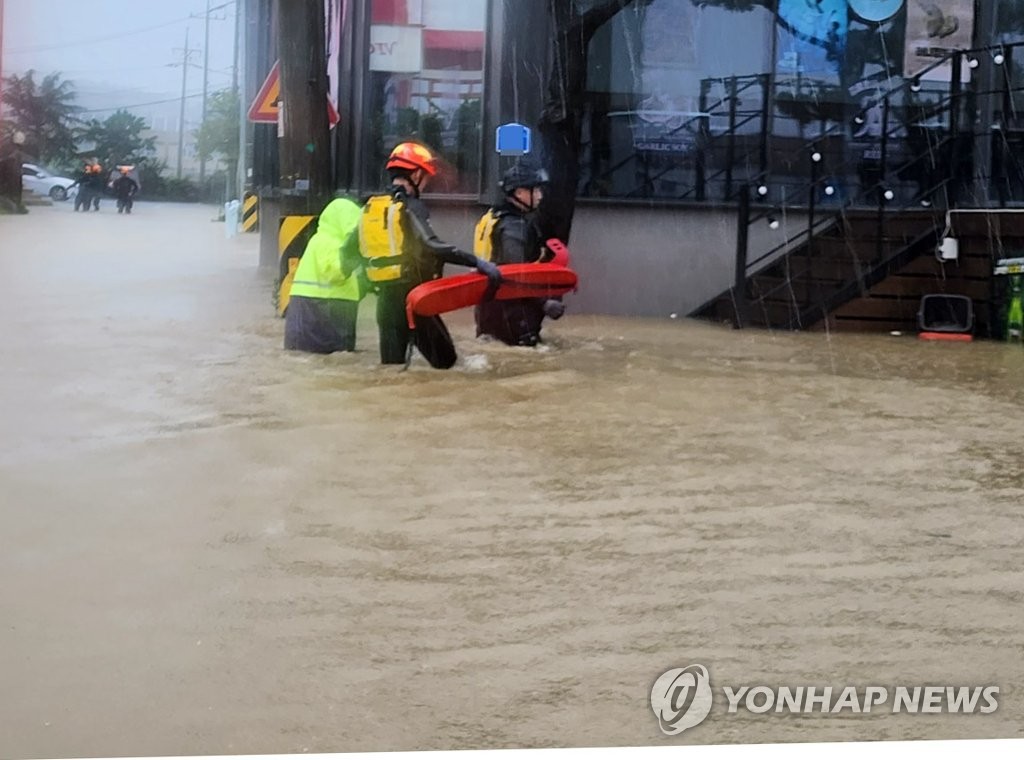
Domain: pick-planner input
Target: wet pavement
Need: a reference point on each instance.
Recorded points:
(208, 545)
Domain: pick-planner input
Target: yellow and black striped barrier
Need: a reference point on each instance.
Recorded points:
(292, 236)
(251, 213)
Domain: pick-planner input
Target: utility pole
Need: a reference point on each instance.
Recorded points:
(186, 53)
(234, 53)
(206, 65)
(305, 142)
(206, 69)
(1, 56)
(6, 165)
(236, 184)
(206, 77)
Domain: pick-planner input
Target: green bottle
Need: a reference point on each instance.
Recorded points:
(1014, 311)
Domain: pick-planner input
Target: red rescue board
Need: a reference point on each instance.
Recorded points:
(561, 253)
(463, 290)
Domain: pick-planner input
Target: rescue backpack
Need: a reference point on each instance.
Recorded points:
(483, 236)
(382, 238)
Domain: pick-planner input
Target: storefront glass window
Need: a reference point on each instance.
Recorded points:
(1008, 148)
(426, 84)
(869, 81)
(687, 99)
(665, 78)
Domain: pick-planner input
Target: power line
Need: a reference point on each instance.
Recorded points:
(79, 43)
(139, 105)
(72, 74)
(106, 38)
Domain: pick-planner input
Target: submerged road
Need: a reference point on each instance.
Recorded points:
(210, 546)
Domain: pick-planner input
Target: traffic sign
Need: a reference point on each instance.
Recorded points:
(264, 107)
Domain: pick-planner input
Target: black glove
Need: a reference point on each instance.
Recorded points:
(490, 269)
(553, 309)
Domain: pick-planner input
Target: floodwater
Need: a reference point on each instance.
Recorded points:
(208, 545)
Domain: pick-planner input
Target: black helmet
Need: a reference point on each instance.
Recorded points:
(524, 174)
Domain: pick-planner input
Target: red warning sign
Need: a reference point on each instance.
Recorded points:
(264, 107)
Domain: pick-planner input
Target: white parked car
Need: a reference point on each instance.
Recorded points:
(40, 181)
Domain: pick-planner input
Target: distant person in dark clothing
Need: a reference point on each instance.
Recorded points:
(10, 182)
(97, 184)
(125, 188)
(509, 234)
(84, 196)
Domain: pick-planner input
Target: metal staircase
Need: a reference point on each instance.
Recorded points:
(852, 234)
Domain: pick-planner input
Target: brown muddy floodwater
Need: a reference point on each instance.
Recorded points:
(210, 546)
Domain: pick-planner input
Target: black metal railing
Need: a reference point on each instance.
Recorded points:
(737, 122)
(750, 128)
(660, 154)
(924, 136)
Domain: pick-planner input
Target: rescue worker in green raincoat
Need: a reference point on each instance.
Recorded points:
(325, 294)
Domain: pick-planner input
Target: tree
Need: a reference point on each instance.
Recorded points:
(218, 134)
(45, 112)
(118, 139)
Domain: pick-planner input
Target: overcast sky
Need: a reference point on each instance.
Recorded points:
(123, 44)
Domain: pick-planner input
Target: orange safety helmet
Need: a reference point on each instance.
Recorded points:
(411, 156)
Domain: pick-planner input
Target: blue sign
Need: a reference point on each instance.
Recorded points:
(512, 140)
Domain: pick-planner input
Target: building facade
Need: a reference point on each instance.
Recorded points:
(687, 105)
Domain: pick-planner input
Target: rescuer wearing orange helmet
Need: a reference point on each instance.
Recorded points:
(97, 184)
(83, 199)
(402, 251)
(125, 188)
